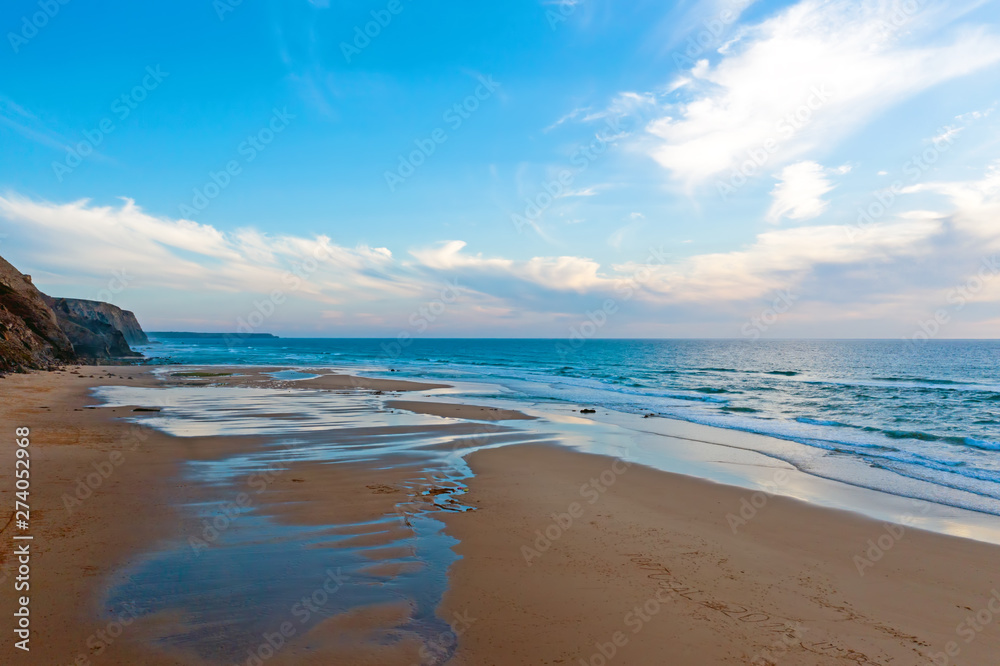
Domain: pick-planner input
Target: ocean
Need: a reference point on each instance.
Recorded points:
(926, 412)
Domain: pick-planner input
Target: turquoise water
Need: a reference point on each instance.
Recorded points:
(929, 412)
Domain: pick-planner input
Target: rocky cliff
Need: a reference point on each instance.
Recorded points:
(92, 336)
(40, 332)
(30, 335)
(105, 313)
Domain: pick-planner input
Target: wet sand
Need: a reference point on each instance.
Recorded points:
(363, 505)
(75, 550)
(456, 411)
(106, 493)
(263, 377)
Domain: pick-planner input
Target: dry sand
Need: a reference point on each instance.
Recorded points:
(786, 586)
(645, 565)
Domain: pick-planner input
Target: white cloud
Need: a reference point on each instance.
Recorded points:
(84, 239)
(835, 63)
(972, 116)
(572, 115)
(582, 192)
(557, 273)
(624, 104)
(948, 134)
(447, 255)
(975, 205)
(798, 194)
(783, 258)
(689, 29)
(81, 243)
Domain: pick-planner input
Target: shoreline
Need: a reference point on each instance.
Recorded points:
(836, 478)
(729, 456)
(377, 510)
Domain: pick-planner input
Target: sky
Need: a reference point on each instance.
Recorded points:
(531, 168)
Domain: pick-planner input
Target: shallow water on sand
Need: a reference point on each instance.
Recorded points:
(248, 564)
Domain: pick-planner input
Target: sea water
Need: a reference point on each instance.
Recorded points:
(922, 411)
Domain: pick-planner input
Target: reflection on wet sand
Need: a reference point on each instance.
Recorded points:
(315, 513)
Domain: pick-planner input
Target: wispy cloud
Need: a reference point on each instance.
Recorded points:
(572, 115)
(804, 79)
(582, 192)
(30, 126)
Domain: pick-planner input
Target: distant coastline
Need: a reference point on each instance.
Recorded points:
(186, 334)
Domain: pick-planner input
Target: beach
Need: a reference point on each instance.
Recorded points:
(552, 333)
(238, 517)
(582, 559)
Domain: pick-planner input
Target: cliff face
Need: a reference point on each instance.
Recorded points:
(30, 335)
(105, 313)
(92, 336)
(39, 332)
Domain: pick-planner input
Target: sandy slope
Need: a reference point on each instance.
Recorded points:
(645, 566)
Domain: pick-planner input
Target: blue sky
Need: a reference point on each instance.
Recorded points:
(679, 167)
